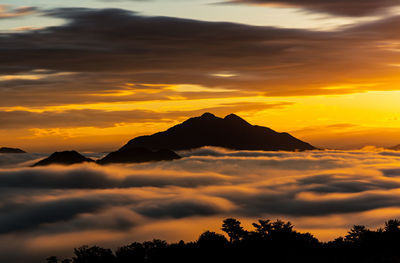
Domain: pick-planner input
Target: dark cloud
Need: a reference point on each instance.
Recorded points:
(334, 7)
(103, 118)
(74, 118)
(114, 219)
(92, 177)
(33, 215)
(106, 49)
(391, 172)
(330, 183)
(180, 209)
(288, 204)
(13, 160)
(234, 163)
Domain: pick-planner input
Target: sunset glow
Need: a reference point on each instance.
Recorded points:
(89, 76)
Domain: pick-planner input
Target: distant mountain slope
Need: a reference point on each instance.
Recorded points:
(11, 150)
(395, 148)
(230, 132)
(65, 158)
(138, 155)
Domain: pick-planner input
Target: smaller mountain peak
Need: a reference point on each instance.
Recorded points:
(207, 115)
(234, 118)
(11, 150)
(138, 155)
(65, 158)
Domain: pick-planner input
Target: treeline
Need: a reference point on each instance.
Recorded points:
(269, 241)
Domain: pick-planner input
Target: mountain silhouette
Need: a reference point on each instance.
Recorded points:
(395, 148)
(230, 132)
(138, 155)
(11, 150)
(66, 158)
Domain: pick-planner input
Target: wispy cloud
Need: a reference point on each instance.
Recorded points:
(322, 191)
(7, 11)
(334, 7)
(168, 51)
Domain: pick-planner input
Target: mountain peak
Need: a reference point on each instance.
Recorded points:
(231, 132)
(66, 158)
(11, 150)
(235, 119)
(207, 115)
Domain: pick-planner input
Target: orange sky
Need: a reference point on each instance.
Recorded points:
(333, 121)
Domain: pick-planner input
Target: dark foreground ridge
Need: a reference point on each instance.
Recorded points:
(64, 158)
(11, 150)
(138, 155)
(269, 241)
(231, 132)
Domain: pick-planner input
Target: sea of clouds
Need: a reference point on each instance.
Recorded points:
(50, 210)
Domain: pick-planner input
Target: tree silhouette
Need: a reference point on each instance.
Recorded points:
(356, 233)
(392, 226)
(212, 239)
(263, 228)
(270, 241)
(134, 252)
(93, 254)
(234, 229)
(52, 259)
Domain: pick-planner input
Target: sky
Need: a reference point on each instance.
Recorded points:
(90, 75)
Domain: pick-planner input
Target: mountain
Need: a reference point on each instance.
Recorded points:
(138, 155)
(207, 130)
(66, 158)
(11, 150)
(395, 148)
(230, 132)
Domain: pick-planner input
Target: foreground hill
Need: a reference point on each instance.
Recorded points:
(11, 150)
(65, 158)
(230, 132)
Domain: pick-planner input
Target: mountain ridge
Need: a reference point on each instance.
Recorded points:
(138, 155)
(231, 132)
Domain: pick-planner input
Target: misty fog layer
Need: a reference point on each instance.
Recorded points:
(50, 210)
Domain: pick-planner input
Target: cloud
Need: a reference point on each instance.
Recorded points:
(328, 183)
(321, 191)
(92, 176)
(7, 12)
(334, 7)
(23, 217)
(12, 160)
(185, 208)
(165, 51)
(103, 118)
